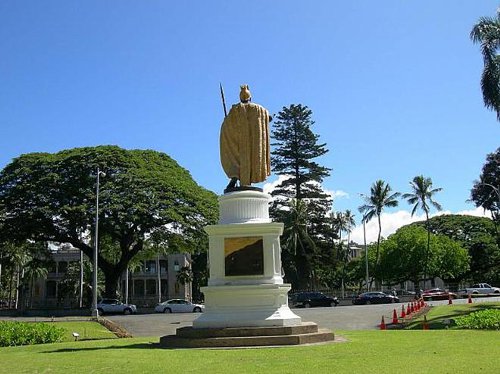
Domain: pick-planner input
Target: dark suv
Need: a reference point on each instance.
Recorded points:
(310, 299)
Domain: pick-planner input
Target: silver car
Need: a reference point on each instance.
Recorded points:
(113, 306)
(179, 306)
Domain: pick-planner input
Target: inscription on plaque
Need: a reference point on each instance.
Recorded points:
(244, 256)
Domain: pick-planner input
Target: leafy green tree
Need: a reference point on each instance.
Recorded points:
(295, 151)
(343, 222)
(356, 268)
(452, 260)
(50, 197)
(421, 196)
(69, 286)
(380, 198)
(298, 246)
(478, 236)
(486, 191)
(486, 32)
(404, 256)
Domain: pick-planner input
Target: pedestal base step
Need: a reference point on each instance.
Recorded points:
(188, 337)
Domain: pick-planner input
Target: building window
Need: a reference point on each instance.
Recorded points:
(163, 266)
(51, 289)
(164, 287)
(138, 287)
(150, 287)
(62, 267)
(51, 267)
(150, 267)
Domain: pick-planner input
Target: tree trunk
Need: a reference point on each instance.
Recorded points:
(126, 285)
(1, 260)
(158, 277)
(17, 289)
(426, 257)
(111, 284)
(378, 242)
(80, 300)
(11, 285)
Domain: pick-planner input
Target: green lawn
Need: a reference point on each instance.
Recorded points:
(398, 351)
(437, 314)
(87, 330)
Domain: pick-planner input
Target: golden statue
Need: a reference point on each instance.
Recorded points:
(244, 142)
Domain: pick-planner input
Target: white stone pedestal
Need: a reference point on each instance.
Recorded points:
(245, 288)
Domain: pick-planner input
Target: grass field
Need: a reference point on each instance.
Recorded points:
(438, 351)
(438, 314)
(86, 330)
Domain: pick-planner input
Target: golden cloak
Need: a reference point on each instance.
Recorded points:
(244, 143)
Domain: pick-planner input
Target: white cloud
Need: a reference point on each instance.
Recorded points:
(393, 221)
(270, 186)
(337, 194)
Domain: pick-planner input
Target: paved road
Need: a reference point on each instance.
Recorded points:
(353, 317)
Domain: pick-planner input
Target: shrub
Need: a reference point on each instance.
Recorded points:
(25, 333)
(482, 320)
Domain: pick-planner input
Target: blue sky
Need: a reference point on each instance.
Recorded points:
(393, 85)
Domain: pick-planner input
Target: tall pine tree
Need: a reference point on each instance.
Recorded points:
(295, 149)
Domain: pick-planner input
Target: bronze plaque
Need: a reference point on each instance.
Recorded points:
(244, 256)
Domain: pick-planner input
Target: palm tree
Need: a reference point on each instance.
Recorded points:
(420, 198)
(380, 198)
(298, 243)
(344, 222)
(35, 269)
(487, 33)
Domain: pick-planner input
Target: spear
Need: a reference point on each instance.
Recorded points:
(223, 99)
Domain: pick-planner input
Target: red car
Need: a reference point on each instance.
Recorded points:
(438, 294)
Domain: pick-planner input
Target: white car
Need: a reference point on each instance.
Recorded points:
(110, 306)
(483, 288)
(179, 306)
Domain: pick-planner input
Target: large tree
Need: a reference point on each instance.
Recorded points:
(404, 257)
(486, 32)
(478, 236)
(486, 191)
(381, 197)
(51, 197)
(422, 197)
(294, 155)
(296, 149)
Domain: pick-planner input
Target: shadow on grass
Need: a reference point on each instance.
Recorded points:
(89, 349)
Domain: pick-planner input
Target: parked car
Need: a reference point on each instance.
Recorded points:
(113, 306)
(311, 299)
(482, 288)
(374, 298)
(438, 294)
(179, 306)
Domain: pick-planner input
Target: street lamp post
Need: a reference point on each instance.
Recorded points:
(95, 312)
(366, 255)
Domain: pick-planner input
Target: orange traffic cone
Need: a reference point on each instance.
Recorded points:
(425, 325)
(395, 317)
(470, 299)
(422, 303)
(408, 310)
(450, 300)
(412, 308)
(403, 314)
(382, 324)
(417, 306)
